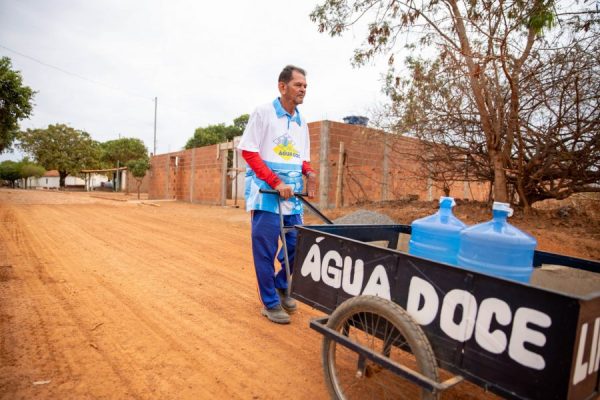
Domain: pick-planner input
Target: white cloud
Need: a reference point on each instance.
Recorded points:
(207, 62)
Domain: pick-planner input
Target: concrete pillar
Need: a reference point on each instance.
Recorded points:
(168, 175)
(123, 180)
(193, 168)
(340, 176)
(385, 169)
(324, 165)
(223, 155)
(429, 189)
(239, 165)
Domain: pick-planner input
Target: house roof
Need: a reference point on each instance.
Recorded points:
(51, 174)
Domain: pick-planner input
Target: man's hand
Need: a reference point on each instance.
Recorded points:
(285, 191)
(311, 184)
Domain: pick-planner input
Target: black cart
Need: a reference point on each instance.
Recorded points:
(400, 326)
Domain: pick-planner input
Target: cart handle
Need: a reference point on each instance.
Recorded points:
(301, 197)
(273, 191)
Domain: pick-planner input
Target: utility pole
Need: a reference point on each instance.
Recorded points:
(155, 107)
(117, 175)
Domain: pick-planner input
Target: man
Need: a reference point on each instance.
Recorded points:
(276, 146)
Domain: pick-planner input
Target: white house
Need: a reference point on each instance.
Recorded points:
(51, 180)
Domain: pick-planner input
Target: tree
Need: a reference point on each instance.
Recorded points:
(138, 169)
(241, 122)
(28, 169)
(62, 148)
(468, 94)
(15, 103)
(558, 151)
(9, 171)
(212, 134)
(122, 151)
(219, 133)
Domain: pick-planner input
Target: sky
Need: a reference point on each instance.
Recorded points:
(98, 65)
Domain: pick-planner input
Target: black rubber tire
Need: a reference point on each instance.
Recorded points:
(353, 318)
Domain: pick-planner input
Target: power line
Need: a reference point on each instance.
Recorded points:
(95, 82)
(81, 77)
(73, 74)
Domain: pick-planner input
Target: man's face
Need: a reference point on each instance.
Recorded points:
(295, 90)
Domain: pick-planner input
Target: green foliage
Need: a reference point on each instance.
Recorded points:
(122, 150)
(542, 16)
(9, 171)
(212, 134)
(29, 169)
(62, 148)
(219, 133)
(12, 171)
(139, 167)
(241, 122)
(15, 103)
(388, 21)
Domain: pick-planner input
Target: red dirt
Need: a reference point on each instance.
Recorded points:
(122, 299)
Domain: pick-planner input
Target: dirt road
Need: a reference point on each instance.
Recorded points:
(122, 300)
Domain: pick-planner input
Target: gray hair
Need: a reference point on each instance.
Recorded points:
(286, 74)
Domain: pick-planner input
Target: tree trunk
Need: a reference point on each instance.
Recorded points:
(523, 200)
(62, 178)
(446, 189)
(500, 189)
(139, 184)
(480, 95)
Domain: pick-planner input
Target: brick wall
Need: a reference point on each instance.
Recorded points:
(132, 183)
(188, 175)
(377, 167)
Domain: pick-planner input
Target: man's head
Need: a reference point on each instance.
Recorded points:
(292, 85)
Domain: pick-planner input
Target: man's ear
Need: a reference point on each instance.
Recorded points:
(282, 86)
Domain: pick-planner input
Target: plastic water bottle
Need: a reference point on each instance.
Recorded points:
(436, 237)
(498, 248)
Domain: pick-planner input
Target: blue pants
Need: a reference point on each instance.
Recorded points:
(265, 241)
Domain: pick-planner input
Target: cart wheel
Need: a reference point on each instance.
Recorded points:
(385, 328)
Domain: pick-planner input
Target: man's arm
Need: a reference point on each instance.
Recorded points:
(265, 173)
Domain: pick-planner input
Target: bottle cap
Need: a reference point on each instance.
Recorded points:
(499, 206)
(444, 199)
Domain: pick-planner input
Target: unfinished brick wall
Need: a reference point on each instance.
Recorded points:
(377, 167)
(205, 176)
(188, 175)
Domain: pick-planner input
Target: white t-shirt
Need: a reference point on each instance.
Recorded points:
(283, 143)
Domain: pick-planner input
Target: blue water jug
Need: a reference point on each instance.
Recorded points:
(497, 248)
(437, 236)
